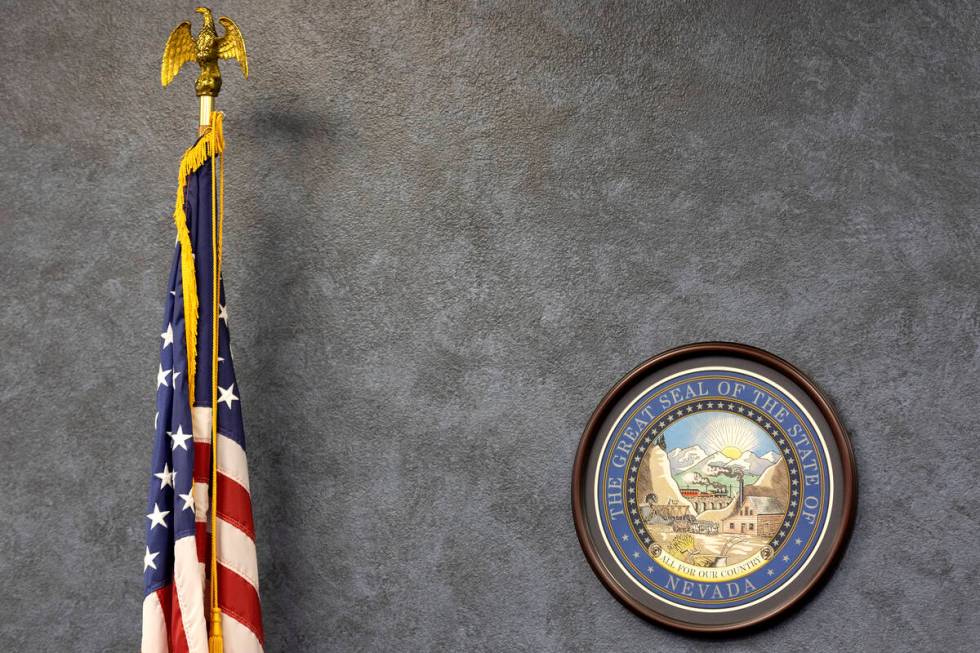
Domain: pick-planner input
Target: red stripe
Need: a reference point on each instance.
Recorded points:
(235, 505)
(163, 596)
(203, 541)
(202, 462)
(176, 637)
(238, 598)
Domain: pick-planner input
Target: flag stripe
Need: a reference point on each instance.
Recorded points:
(202, 462)
(154, 625)
(232, 461)
(237, 637)
(235, 505)
(236, 550)
(203, 541)
(190, 595)
(202, 502)
(174, 632)
(178, 638)
(240, 600)
(201, 418)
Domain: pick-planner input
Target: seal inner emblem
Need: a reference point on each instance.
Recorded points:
(714, 492)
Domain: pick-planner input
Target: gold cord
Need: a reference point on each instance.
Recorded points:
(215, 643)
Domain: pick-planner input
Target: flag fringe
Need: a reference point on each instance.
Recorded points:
(210, 143)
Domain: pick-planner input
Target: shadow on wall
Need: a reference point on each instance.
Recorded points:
(279, 250)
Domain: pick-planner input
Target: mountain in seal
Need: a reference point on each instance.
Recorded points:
(750, 464)
(683, 458)
(654, 477)
(774, 482)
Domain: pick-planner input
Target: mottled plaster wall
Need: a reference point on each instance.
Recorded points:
(451, 227)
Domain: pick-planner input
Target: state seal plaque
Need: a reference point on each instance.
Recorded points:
(713, 488)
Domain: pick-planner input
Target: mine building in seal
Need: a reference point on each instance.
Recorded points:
(755, 516)
(653, 512)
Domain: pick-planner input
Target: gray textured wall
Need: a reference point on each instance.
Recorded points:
(450, 229)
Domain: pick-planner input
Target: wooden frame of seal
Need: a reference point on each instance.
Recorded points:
(581, 488)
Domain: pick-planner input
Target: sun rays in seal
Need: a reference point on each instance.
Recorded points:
(730, 435)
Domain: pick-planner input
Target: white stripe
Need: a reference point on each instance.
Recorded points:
(236, 550)
(202, 501)
(201, 424)
(231, 457)
(190, 594)
(232, 461)
(154, 626)
(237, 638)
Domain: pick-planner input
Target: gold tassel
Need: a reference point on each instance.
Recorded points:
(211, 142)
(215, 642)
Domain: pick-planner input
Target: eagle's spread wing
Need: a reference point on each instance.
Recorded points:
(232, 45)
(179, 50)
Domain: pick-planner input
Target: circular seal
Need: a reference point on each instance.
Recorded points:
(713, 487)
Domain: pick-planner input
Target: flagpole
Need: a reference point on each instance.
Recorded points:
(215, 643)
(204, 116)
(206, 49)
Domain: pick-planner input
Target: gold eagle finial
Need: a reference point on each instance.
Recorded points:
(206, 49)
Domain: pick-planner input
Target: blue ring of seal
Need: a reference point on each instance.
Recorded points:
(639, 427)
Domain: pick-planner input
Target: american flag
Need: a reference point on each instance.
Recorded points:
(176, 604)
